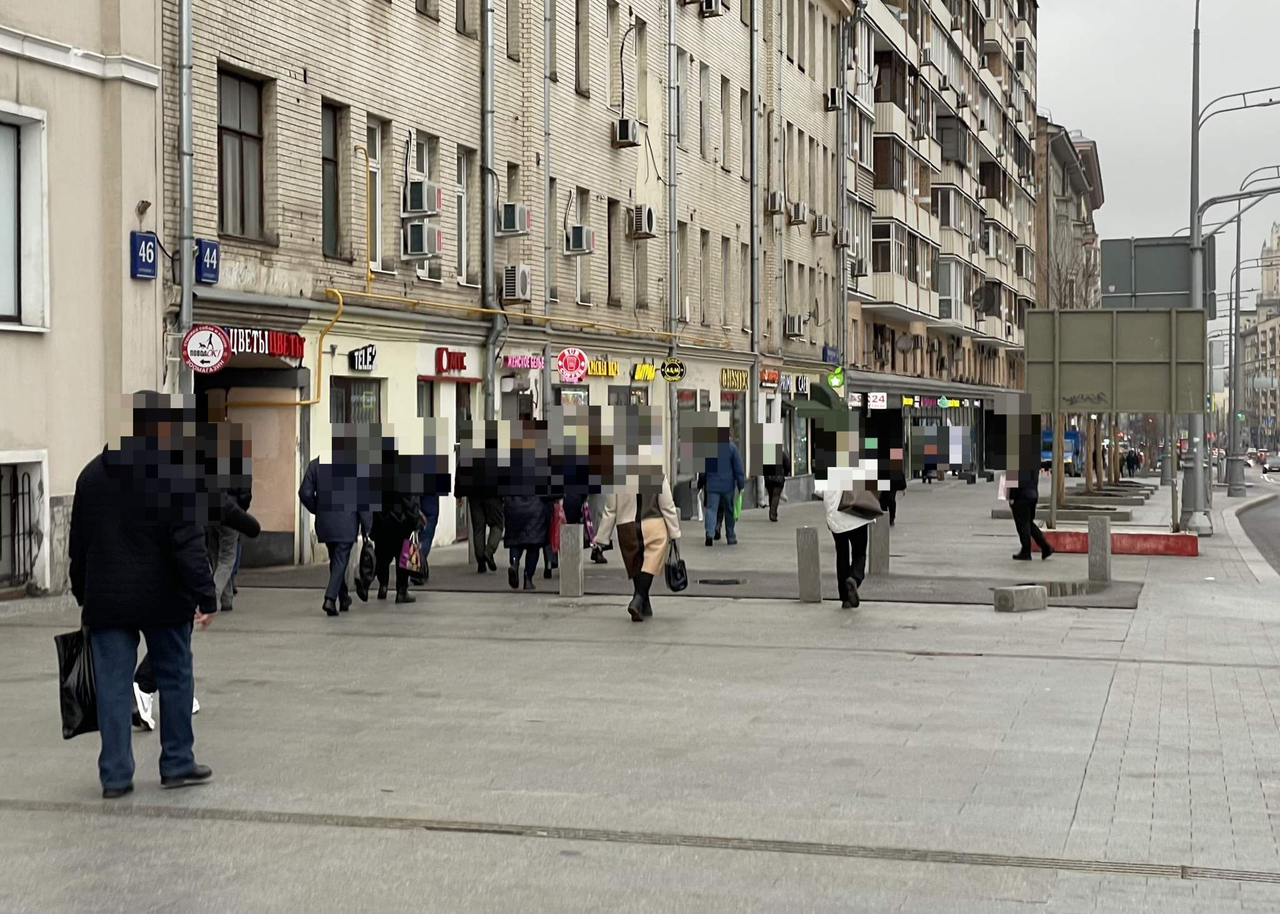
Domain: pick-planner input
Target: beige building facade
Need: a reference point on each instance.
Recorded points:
(79, 171)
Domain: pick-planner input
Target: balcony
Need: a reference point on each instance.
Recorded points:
(998, 212)
(1000, 272)
(885, 18)
(891, 119)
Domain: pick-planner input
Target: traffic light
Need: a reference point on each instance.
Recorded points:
(1239, 415)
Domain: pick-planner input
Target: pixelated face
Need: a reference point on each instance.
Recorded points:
(1013, 440)
(701, 434)
(840, 458)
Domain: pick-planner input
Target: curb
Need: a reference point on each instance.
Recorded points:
(1249, 553)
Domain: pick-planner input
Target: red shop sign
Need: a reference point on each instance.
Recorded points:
(448, 360)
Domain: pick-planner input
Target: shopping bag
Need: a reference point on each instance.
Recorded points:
(557, 523)
(586, 520)
(1002, 487)
(677, 574)
(77, 690)
(411, 555)
(366, 569)
(737, 505)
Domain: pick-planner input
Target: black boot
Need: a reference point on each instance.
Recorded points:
(528, 583)
(513, 575)
(636, 607)
(644, 581)
(481, 567)
(382, 590)
(403, 596)
(330, 607)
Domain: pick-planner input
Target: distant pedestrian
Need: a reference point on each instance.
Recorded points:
(849, 530)
(338, 497)
(224, 548)
(724, 479)
(1131, 461)
(646, 522)
(527, 508)
(429, 506)
(480, 484)
(139, 566)
(1023, 496)
(775, 480)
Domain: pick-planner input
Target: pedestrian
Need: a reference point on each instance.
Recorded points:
(399, 516)
(889, 503)
(724, 478)
(479, 482)
(774, 481)
(1023, 494)
(646, 522)
(138, 566)
(849, 530)
(223, 542)
(333, 493)
(429, 506)
(527, 513)
(1131, 461)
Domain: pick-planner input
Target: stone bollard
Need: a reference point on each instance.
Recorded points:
(809, 564)
(1099, 548)
(1021, 598)
(878, 546)
(573, 580)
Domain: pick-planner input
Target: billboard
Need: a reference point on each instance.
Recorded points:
(1154, 273)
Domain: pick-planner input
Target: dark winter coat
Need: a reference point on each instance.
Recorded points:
(336, 495)
(724, 471)
(776, 477)
(1024, 493)
(128, 569)
(528, 520)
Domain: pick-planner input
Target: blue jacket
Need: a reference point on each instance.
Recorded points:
(339, 498)
(724, 471)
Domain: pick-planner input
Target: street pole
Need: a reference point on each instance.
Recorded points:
(1194, 515)
(488, 300)
(548, 205)
(186, 193)
(673, 245)
(1235, 460)
(754, 224)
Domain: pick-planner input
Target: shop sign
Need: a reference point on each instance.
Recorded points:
(602, 368)
(572, 365)
(533, 362)
(643, 371)
(362, 359)
(733, 379)
(278, 343)
(802, 385)
(877, 400)
(944, 403)
(977, 404)
(448, 360)
(673, 369)
(836, 378)
(769, 377)
(926, 401)
(784, 384)
(206, 349)
(908, 401)
(855, 399)
(965, 403)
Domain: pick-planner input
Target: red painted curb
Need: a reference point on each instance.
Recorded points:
(1077, 541)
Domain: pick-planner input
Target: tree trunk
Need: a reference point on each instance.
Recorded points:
(1087, 454)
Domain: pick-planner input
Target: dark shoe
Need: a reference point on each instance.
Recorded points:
(773, 517)
(362, 590)
(892, 521)
(227, 608)
(733, 542)
(234, 590)
(481, 567)
(717, 534)
(647, 609)
(636, 608)
(330, 607)
(513, 577)
(1022, 557)
(708, 541)
(403, 596)
(115, 793)
(846, 604)
(197, 775)
(493, 566)
(426, 572)
(546, 574)
(854, 600)
(528, 584)
(1046, 552)
(597, 556)
(344, 605)
(382, 591)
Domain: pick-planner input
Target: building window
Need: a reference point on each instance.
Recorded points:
(744, 124)
(613, 254)
(463, 19)
(329, 115)
(10, 224)
(640, 260)
(704, 277)
(744, 284)
(726, 262)
(800, 42)
(682, 251)
(426, 399)
(462, 203)
(427, 163)
(554, 218)
(881, 248)
(355, 400)
(240, 210)
(704, 110)
(582, 264)
(374, 189)
(866, 141)
(726, 122)
(551, 43)
(642, 71)
(682, 95)
(613, 48)
(513, 29)
(890, 171)
(582, 47)
(428, 8)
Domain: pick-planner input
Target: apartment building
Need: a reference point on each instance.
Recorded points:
(1260, 373)
(79, 174)
(1069, 271)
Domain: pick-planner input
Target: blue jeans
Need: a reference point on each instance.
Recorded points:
(339, 555)
(531, 554)
(709, 515)
(115, 652)
(427, 534)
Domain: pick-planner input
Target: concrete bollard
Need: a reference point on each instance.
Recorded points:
(1099, 548)
(1021, 598)
(878, 546)
(573, 581)
(809, 564)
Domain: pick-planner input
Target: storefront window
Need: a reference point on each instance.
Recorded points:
(462, 402)
(734, 402)
(572, 396)
(355, 400)
(626, 395)
(426, 399)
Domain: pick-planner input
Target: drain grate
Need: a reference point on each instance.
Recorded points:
(720, 582)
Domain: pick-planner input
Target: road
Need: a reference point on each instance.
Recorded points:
(1262, 523)
(492, 752)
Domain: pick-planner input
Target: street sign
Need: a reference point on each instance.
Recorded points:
(143, 255)
(208, 261)
(1154, 273)
(206, 349)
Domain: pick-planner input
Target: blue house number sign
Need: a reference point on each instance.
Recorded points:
(208, 257)
(143, 255)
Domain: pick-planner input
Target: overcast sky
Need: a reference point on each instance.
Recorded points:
(1120, 70)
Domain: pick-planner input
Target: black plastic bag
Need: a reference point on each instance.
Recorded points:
(677, 574)
(366, 569)
(77, 689)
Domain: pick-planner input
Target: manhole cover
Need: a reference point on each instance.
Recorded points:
(719, 582)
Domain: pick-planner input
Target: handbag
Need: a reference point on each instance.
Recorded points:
(557, 522)
(737, 505)
(366, 569)
(411, 556)
(676, 573)
(860, 503)
(77, 688)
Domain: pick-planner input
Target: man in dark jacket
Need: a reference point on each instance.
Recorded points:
(774, 481)
(139, 565)
(1023, 494)
(724, 475)
(479, 482)
(339, 499)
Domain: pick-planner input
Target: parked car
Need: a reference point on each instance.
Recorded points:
(1271, 464)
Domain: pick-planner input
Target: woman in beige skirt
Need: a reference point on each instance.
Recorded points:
(646, 521)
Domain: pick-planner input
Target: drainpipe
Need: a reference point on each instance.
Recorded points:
(754, 222)
(779, 222)
(673, 244)
(186, 229)
(487, 211)
(548, 203)
(842, 179)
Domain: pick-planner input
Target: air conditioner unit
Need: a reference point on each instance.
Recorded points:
(860, 267)
(514, 219)
(926, 56)
(644, 221)
(420, 241)
(919, 133)
(775, 204)
(685, 310)
(944, 82)
(974, 247)
(962, 99)
(626, 133)
(832, 99)
(794, 328)
(578, 240)
(517, 282)
(982, 123)
(421, 198)
(798, 214)
(821, 225)
(844, 238)
(711, 8)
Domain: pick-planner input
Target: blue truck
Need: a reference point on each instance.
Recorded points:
(1071, 460)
